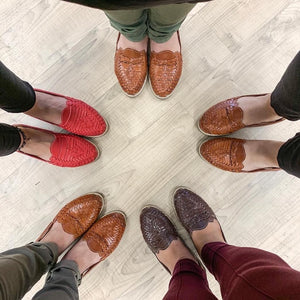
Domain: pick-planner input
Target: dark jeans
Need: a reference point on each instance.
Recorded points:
(243, 274)
(21, 268)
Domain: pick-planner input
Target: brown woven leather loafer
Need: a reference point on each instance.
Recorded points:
(193, 212)
(78, 215)
(227, 154)
(226, 117)
(104, 236)
(131, 70)
(158, 231)
(164, 72)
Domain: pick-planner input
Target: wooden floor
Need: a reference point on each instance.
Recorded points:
(229, 48)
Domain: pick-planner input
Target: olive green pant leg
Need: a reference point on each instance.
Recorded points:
(130, 23)
(164, 20)
(21, 268)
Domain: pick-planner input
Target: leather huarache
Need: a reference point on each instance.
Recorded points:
(227, 154)
(78, 215)
(193, 212)
(131, 70)
(165, 71)
(226, 117)
(104, 236)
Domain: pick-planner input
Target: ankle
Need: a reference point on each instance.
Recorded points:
(212, 233)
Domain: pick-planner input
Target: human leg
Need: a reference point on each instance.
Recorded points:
(243, 273)
(10, 139)
(285, 99)
(22, 267)
(188, 277)
(166, 59)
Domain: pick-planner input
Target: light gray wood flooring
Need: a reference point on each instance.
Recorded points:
(230, 48)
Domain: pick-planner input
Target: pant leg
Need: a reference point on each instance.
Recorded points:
(289, 156)
(285, 99)
(16, 95)
(130, 23)
(21, 268)
(9, 139)
(61, 283)
(188, 282)
(250, 273)
(164, 20)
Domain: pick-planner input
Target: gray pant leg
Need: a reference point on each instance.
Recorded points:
(61, 283)
(21, 268)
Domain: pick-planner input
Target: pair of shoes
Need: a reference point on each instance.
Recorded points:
(225, 153)
(193, 212)
(71, 150)
(131, 68)
(78, 219)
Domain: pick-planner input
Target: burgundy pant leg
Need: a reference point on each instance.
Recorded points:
(188, 282)
(250, 273)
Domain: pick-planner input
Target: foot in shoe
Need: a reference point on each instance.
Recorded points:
(211, 233)
(83, 256)
(197, 218)
(124, 43)
(37, 142)
(257, 109)
(172, 44)
(261, 154)
(175, 252)
(72, 221)
(48, 107)
(98, 242)
(58, 236)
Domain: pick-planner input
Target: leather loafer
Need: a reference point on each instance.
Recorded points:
(78, 215)
(80, 118)
(104, 236)
(193, 212)
(226, 117)
(131, 70)
(165, 71)
(67, 150)
(158, 231)
(227, 154)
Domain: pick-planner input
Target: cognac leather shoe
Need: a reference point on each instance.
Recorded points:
(193, 212)
(67, 150)
(226, 117)
(227, 154)
(80, 118)
(103, 237)
(165, 71)
(77, 216)
(157, 230)
(131, 70)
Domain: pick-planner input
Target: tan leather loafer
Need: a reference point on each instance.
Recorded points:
(131, 70)
(104, 236)
(227, 154)
(78, 215)
(226, 117)
(164, 72)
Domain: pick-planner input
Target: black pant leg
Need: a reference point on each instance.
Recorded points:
(285, 99)
(9, 139)
(289, 156)
(16, 95)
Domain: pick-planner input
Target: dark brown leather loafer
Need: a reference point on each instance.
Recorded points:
(158, 231)
(193, 212)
